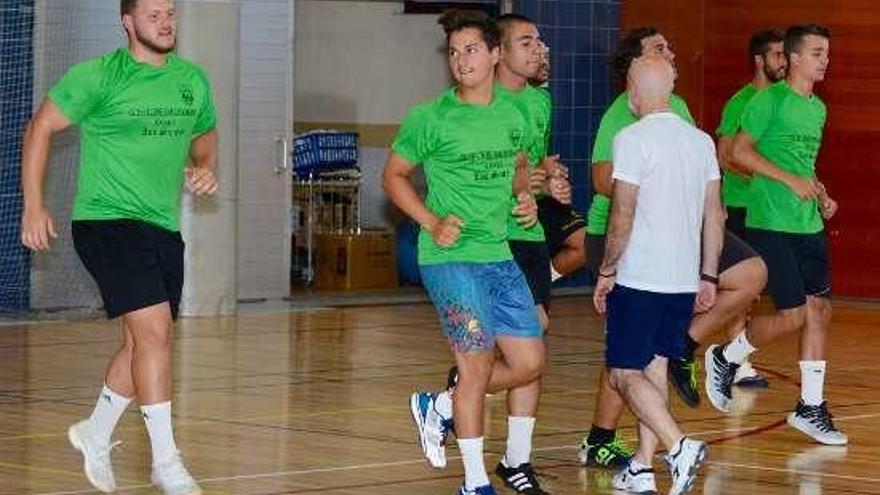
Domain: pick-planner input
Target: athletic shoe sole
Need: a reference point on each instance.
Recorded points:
(792, 421)
(420, 431)
(692, 474)
(77, 444)
(709, 364)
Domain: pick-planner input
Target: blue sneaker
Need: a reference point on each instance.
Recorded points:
(431, 426)
(480, 490)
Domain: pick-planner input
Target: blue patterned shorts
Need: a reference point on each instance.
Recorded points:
(477, 302)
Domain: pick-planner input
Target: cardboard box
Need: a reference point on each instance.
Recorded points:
(366, 260)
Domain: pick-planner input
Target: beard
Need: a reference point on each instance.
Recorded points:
(153, 47)
(774, 75)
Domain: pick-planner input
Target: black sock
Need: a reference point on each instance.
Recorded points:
(690, 347)
(599, 436)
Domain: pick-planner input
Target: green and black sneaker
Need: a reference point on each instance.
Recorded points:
(683, 373)
(611, 455)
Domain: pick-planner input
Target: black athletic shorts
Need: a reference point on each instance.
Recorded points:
(533, 260)
(736, 221)
(595, 247)
(797, 265)
(135, 264)
(559, 222)
(735, 250)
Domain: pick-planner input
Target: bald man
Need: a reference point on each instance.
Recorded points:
(666, 202)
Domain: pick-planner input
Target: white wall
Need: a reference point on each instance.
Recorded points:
(364, 62)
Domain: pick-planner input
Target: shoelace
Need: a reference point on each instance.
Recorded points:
(447, 425)
(819, 417)
(691, 368)
(620, 448)
(727, 372)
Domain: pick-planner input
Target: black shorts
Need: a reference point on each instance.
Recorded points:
(534, 261)
(736, 221)
(735, 251)
(135, 264)
(595, 246)
(641, 325)
(559, 221)
(797, 265)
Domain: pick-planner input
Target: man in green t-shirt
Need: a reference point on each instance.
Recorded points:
(778, 142)
(471, 143)
(142, 111)
(768, 59)
(765, 50)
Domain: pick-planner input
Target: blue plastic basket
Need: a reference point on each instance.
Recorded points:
(317, 151)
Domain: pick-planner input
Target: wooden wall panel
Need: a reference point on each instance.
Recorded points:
(682, 24)
(710, 38)
(849, 162)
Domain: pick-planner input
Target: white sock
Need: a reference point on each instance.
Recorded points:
(554, 274)
(157, 417)
(472, 458)
(443, 404)
(519, 440)
(108, 409)
(636, 465)
(738, 349)
(812, 382)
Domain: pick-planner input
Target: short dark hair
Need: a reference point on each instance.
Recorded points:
(505, 23)
(454, 21)
(127, 6)
(794, 36)
(759, 43)
(630, 48)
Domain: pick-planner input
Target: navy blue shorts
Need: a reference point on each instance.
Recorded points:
(641, 325)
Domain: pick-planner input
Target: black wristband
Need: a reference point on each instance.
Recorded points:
(705, 277)
(608, 275)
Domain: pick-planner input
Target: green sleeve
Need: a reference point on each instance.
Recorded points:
(608, 128)
(78, 93)
(207, 117)
(758, 114)
(414, 139)
(680, 107)
(729, 123)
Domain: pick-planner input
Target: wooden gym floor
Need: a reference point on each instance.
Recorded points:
(316, 401)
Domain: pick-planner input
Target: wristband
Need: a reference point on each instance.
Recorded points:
(705, 277)
(608, 275)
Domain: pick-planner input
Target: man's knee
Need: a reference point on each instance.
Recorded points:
(749, 275)
(619, 377)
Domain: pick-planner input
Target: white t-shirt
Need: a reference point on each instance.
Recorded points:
(672, 162)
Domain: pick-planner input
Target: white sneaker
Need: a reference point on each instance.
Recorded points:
(431, 426)
(96, 456)
(684, 465)
(719, 378)
(747, 376)
(173, 479)
(815, 422)
(636, 478)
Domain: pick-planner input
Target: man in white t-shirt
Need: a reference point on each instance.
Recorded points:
(666, 203)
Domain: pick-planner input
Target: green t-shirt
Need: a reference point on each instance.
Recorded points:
(468, 153)
(787, 129)
(535, 104)
(136, 123)
(735, 187)
(616, 118)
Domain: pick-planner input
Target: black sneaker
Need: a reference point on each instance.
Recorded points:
(452, 378)
(719, 378)
(520, 479)
(610, 455)
(816, 422)
(684, 379)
